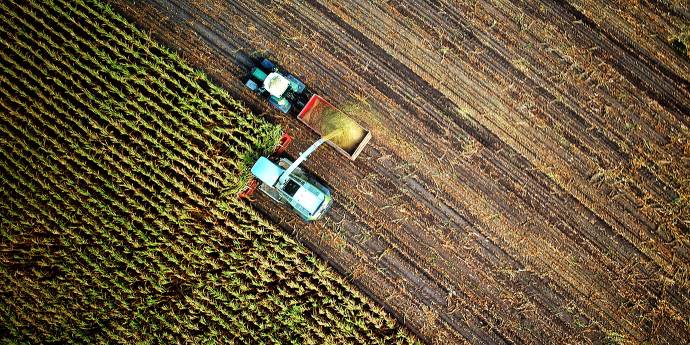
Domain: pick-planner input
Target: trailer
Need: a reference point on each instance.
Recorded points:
(313, 116)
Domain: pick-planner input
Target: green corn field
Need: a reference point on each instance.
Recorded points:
(119, 218)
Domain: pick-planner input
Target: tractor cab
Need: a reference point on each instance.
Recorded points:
(283, 90)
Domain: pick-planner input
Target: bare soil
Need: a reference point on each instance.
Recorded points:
(527, 180)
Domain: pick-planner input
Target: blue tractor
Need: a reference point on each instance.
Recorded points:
(283, 90)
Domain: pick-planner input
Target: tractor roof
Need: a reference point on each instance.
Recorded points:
(276, 84)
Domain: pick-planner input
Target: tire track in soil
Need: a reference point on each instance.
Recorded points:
(483, 282)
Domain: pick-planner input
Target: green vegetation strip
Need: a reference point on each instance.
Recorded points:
(119, 219)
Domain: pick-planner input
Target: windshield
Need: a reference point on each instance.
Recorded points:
(291, 187)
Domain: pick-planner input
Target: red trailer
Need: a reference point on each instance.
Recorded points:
(313, 115)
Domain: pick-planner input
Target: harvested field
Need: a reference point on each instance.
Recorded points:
(527, 180)
(119, 221)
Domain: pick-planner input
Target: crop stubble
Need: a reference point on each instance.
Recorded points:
(527, 180)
